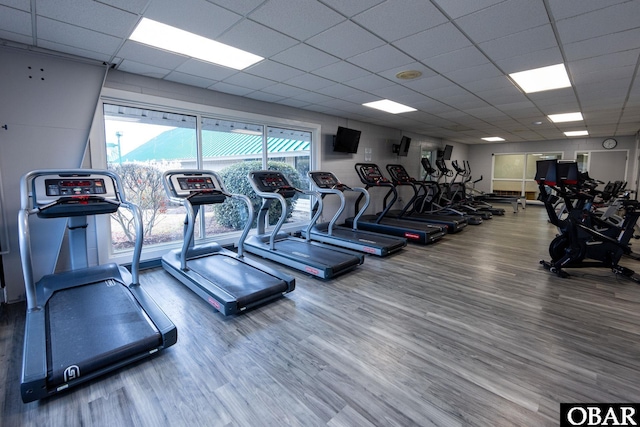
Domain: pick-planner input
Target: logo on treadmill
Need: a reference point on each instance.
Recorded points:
(369, 250)
(411, 236)
(71, 373)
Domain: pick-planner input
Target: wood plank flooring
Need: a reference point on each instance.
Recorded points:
(470, 331)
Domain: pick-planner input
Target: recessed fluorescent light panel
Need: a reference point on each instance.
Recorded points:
(493, 139)
(175, 40)
(566, 117)
(577, 133)
(389, 106)
(540, 79)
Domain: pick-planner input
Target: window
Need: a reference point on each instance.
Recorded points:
(141, 144)
(513, 174)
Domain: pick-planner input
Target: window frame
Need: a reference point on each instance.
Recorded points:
(98, 156)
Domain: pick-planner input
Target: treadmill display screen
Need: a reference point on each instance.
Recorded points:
(74, 187)
(325, 180)
(273, 181)
(195, 184)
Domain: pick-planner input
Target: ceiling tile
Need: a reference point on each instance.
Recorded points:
(79, 52)
(516, 44)
(70, 35)
(505, 18)
(90, 15)
(566, 8)
(273, 71)
(333, 40)
(242, 7)
(611, 43)
(232, 89)
(262, 96)
(340, 91)
(462, 58)
(613, 19)
(474, 74)
(15, 37)
(299, 19)
(458, 8)
(341, 72)
(313, 97)
(409, 16)
(149, 55)
(284, 90)
(15, 21)
(304, 57)
(310, 82)
(292, 102)
(540, 58)
(369, 82)
(206, 70)
(432, 42)
(351, 8)
(381, 58)
(24, 5)
(249, 81)
(142, 69)
(257, 39)
(189, 79)
(197, 16)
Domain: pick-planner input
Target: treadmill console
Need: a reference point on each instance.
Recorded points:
(324, 179)
(200, 188)
(399, 174)
(272, 182)
(63, 195)
(370, 174)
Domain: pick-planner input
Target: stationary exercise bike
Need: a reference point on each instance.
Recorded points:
(583, 235)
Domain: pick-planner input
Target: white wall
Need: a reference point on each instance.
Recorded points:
(480, 155)
(47, 104)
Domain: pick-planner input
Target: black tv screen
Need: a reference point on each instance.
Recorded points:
(346, 140)
(448, 149)
(403, 150)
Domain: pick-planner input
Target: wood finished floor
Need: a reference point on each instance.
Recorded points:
(470, 331)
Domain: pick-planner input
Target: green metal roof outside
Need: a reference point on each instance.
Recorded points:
(180, 144)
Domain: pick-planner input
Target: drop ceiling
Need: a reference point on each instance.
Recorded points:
(331, 56)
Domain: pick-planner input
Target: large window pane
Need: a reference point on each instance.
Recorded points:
(289, 151)
(232, 149)
(142, 144)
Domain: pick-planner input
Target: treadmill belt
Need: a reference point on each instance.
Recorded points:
(246, 283)
(93, 326)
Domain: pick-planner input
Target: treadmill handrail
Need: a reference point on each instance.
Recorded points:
(283, 202)
(27, 199)
(190, 218)
(339, 189)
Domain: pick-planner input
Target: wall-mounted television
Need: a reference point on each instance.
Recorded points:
(346, 140)
(402, 149)
(446, 153)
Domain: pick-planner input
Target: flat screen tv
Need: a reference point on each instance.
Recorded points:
(446, 154)
(403, 148)
(346, 140)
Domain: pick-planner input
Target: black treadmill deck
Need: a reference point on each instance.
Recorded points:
(92, 326)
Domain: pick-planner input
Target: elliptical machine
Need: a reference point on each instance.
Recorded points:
(583, 235)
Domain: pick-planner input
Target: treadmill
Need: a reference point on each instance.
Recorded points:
(87, 321)
(349, 237)
(313, 258)
(228, 281)
(415, 232)
(400, 176)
